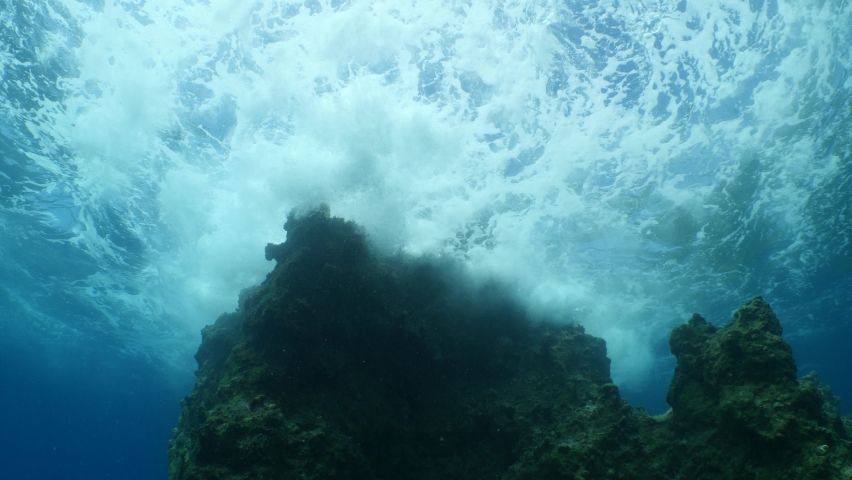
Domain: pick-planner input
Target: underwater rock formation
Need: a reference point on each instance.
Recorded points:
(348, 365)
(738, 410)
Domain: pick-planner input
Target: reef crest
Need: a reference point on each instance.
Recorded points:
(345, 364)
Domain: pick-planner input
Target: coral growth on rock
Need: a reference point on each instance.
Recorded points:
(345, 364)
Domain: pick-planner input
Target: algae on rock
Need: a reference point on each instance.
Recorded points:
(735, 396)
(345, 364)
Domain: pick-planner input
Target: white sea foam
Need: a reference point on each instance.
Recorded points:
(625, 163)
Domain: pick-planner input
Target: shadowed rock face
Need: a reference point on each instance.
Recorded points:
(348, 365)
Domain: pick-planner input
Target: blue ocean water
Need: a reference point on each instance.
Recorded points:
(623, 164)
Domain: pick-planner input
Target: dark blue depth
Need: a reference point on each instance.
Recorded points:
(68, 417)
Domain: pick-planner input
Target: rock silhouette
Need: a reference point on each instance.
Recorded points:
(345, 364)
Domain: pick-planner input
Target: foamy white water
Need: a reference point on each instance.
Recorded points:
(624, 163)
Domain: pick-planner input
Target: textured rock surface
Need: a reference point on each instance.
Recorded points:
(735, 395)
(345, 365)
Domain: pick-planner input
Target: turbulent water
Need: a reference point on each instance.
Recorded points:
(623, 163)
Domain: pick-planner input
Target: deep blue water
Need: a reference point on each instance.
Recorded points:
(86, 418)
(624, 164)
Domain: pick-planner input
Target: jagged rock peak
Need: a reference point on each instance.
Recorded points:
(347, 365)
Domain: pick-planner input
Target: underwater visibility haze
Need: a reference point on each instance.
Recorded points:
(622, 164)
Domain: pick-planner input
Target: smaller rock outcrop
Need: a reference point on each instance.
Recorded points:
(345, 364)
(735, 395)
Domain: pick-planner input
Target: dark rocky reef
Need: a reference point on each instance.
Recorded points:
(739, 411)
(348, 365)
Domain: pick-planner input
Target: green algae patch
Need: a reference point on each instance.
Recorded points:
(345, 364)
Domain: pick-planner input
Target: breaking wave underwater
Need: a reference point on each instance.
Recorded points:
(624, 164)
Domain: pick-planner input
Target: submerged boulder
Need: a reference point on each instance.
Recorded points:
(345, 364)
